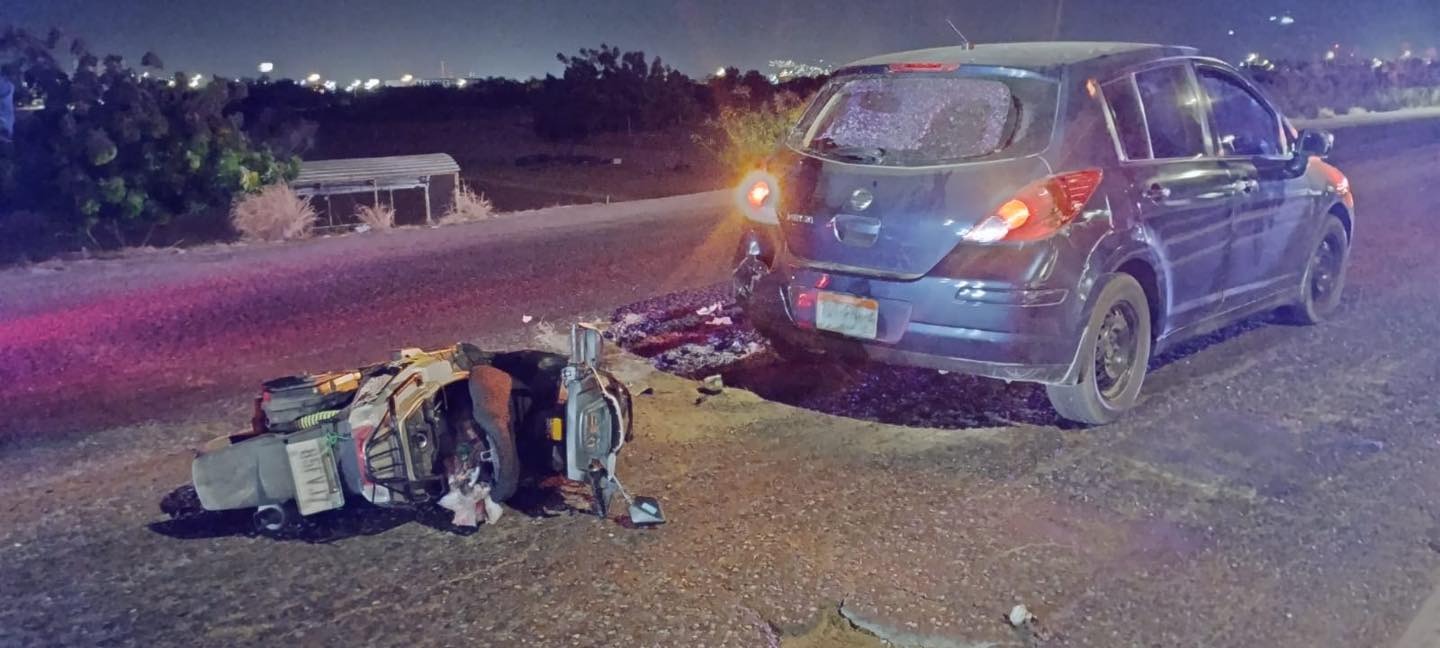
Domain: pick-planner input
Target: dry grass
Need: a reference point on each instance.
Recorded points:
(469, 206)
(274, 214)
(378, 217)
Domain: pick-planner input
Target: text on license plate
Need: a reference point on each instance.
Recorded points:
(847, 314)
(317, 484)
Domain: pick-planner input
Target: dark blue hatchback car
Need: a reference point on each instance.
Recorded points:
(1047, 212)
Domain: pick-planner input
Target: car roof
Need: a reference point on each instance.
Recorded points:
(1031, 55)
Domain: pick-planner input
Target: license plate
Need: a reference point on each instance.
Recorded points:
(317, 484)
(848, 315)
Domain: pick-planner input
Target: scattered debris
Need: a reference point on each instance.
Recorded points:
(1019, 616)
(712, 385)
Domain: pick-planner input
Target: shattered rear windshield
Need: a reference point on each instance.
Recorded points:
(914, 119)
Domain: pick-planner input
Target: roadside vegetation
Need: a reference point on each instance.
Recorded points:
(274, 213)
(107, 155)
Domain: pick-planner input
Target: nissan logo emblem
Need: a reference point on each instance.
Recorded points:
(860, 199)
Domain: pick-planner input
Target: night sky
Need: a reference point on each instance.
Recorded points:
(345, 39)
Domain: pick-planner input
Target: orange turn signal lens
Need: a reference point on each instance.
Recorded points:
(1015, 213)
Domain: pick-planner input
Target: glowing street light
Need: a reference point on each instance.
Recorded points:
(372, 84)
(329, 85)
(1286, 20)
(266, 67)
(1252, 57)
(407, 78)
(460, 83)
(1329, 55)
(720, 72)
(195, 81)
(313, 78)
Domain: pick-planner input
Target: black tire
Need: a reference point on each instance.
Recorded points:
(506, 465)
(494, 412)
(1109, 384)
(1323, 280)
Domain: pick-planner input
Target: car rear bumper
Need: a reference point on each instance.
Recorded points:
(978, 328)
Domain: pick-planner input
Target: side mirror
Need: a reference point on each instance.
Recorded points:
(1314, 142)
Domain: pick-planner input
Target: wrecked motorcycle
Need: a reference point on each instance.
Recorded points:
(451, 427)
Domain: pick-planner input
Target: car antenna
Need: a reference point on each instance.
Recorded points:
(965, 41)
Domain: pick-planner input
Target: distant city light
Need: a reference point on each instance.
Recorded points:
(1375, 63)
(1406, 54)
(372, 84)
(1252, 57)
(329, 85)
(195, 81)
(407, 78)
(1231, 32)
(460, 83)
(1274, 18)
(313, 78)
(720, 72)
(1287, 20)
(1329, 55)
(266, 67)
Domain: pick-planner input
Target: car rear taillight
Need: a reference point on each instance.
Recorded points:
(1039, 209)
(757, 195)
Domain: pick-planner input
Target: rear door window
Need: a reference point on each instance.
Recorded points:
(918, 119)
(1174, 115)
(1243, 123)
(1128, 118)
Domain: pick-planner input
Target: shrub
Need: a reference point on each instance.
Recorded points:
(741, 137)
(378, 217)
(468, 206)
(276, 213)
(114, 157)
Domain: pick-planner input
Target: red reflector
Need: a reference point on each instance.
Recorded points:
(805, 300)
(823, 282)
(924, 67)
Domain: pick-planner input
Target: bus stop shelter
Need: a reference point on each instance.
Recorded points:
(435, 175)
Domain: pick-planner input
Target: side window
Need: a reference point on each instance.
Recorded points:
(1243, 124)
(1128, 118)
(1173, 112)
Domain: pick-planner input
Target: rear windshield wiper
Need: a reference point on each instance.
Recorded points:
(867, 154)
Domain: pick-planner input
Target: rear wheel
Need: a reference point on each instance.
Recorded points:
(1114, 356)
(1324, 276)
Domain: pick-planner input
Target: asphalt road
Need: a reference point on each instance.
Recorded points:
(149, 337)
(1274, 488)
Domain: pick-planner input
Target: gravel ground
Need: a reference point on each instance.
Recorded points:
(1274, 488)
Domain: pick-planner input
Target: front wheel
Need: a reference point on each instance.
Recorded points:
(493, 410)
(1324, 277)
(1114, 356)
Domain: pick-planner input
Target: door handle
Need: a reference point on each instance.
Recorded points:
(1157, 192)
